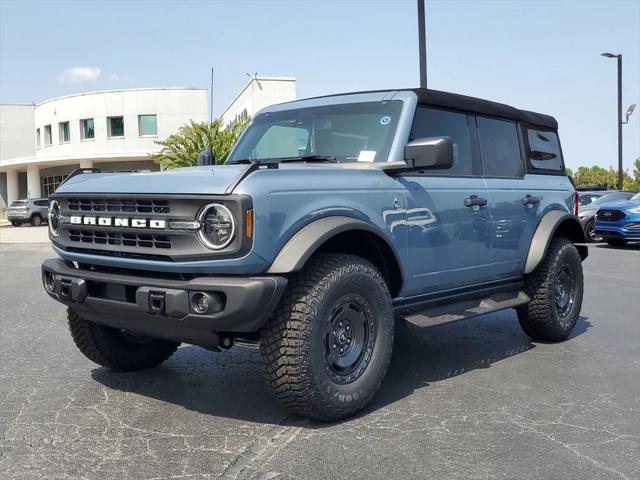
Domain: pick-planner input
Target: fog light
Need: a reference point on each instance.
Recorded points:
(204, 302)
(200, 303)
(51, 281)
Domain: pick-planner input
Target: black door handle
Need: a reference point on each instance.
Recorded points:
(474, 200)
(529, 200)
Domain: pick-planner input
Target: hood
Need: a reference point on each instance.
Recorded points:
(620, 205)
(214, 179)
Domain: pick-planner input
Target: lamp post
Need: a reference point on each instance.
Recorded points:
(619, 57)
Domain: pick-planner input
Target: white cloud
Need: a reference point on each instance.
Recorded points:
(80, 75)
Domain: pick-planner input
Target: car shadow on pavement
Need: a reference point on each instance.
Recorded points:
(230, 385)
(628, 246)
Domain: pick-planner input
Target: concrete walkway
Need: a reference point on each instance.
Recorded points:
(24, 234)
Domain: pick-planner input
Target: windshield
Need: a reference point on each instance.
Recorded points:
(352, 132)
(611, 197)
(635, 197)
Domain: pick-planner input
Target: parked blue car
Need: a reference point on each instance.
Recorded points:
(333, 219)
(619, 222)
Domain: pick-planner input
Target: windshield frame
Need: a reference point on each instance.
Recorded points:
(396, 152)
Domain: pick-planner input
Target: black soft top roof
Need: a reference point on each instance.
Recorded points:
(463, 103)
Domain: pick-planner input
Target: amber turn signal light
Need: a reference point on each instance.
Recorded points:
(248, 223)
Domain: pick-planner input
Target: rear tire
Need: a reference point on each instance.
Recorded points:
(16, 224)
(616, 242)
(327, 347)
(555, 289)
(116, 349)
(36, 220)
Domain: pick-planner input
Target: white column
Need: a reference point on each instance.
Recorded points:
(33, 181)
(86, 163)
(12, 186)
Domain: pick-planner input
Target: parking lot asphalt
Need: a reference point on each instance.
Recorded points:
(471, 400)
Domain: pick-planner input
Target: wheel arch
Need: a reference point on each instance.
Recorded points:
(339, 234)
(555, 223)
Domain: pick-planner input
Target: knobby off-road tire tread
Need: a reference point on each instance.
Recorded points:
(286, 339)
(106, 347)
(538, 317)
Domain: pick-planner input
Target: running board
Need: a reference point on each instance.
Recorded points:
(466, 309)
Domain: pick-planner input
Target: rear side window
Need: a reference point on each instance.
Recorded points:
(430, 122)
(41, 203)
(543, 150)
(500, 148)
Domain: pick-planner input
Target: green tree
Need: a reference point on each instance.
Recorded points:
(181, 149)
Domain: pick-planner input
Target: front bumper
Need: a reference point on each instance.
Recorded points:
(626, 229)
(160, 307)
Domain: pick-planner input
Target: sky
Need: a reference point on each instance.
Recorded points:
(538, 55)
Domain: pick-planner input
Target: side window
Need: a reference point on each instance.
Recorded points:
(543, 150)
(500, 148)
(430, 122)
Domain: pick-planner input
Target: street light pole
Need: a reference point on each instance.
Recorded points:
(620, 172)
(422, 44)
(211, 99)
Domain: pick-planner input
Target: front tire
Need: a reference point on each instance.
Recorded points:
(327, 347)
(555, 289)
(115, 349)
(36, 220)
(590, 230)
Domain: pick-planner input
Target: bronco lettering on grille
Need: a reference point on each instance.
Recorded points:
(117, 222)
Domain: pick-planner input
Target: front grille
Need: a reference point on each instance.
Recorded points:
(143, 240)
(610, 215)
(127, 205)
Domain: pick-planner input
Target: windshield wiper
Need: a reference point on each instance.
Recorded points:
(310, 158)
(303, 158)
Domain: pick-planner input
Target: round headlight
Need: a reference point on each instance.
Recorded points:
(217, 226)
(54, 218)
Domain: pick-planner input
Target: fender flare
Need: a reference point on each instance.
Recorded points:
(309, 238)
(546, 230)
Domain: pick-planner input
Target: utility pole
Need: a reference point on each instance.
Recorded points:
(422, 44)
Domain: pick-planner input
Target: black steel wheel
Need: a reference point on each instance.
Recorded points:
(349, 338)
(328, 345)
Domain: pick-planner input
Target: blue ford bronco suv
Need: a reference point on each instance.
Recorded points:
(332, 220)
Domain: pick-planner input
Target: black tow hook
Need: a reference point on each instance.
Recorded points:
(156, 302)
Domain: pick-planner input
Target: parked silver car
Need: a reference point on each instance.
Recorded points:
(32, 210)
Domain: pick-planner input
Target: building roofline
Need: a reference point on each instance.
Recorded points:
(260, 78)
(95, 92)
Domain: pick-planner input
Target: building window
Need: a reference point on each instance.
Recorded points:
(147, 125)
(63, 132)
(49, 184)
(115, 127)
(47, 135)
(86, 129)
(37, 138)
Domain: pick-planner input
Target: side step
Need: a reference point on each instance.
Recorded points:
(466, 309)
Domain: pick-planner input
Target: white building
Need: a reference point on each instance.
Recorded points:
(259, 92)
(117, 130)
(112, 130)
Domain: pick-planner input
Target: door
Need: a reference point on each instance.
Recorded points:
(514, 204)
(447, 211)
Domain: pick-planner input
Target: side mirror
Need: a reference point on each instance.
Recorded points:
(434, 152)
(206, 157)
